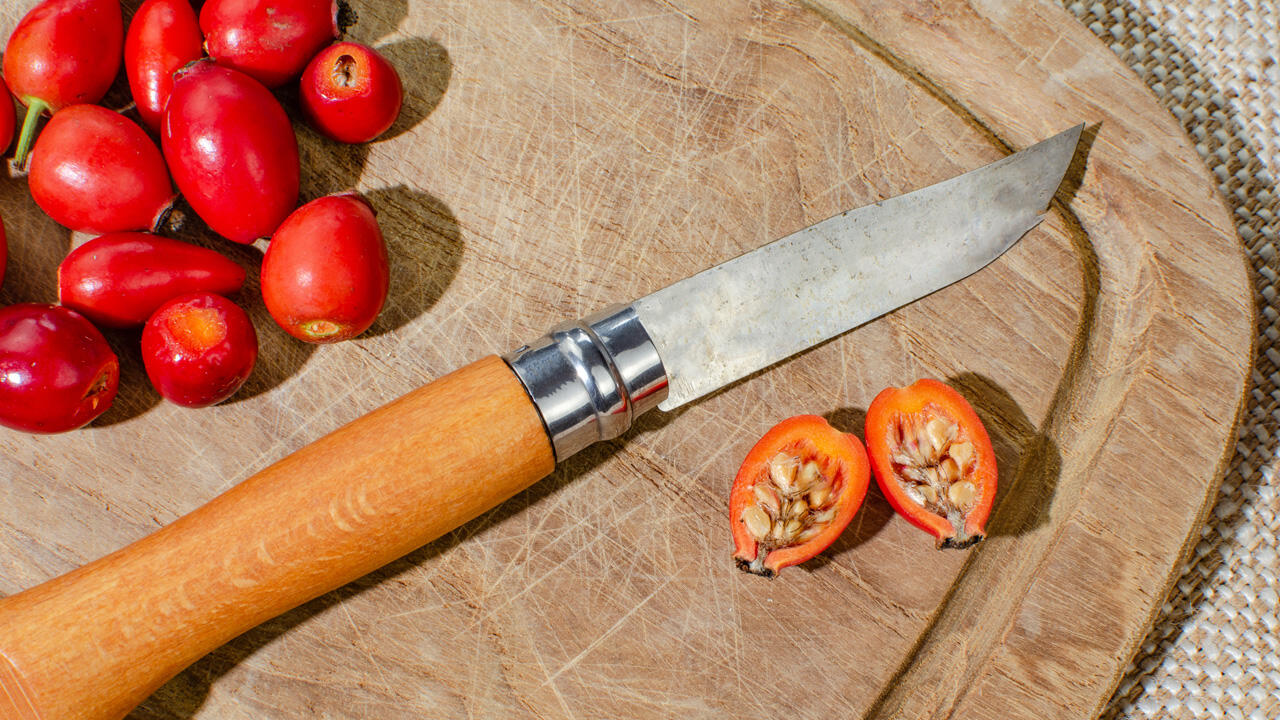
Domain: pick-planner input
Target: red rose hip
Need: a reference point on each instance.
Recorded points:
(120, 279)
(351, 93)
(6, 121)
(231, 150)
(63, 52)
(57, 372)
(325, 276)
(269, 40)
(199, 349)
(164, 35)
(96, 171)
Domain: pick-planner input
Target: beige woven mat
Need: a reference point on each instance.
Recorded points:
(1215, 64)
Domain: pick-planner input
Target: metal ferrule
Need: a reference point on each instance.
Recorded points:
(591, 378)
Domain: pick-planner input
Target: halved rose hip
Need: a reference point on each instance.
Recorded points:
(933, 460)
(198, 349)
(796, 491)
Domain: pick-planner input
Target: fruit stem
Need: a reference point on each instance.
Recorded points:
(756, 566)
(35, 108)
(170, 218)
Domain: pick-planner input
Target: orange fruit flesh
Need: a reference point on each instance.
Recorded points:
(197, 329)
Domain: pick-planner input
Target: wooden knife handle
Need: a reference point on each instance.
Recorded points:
(94, 643)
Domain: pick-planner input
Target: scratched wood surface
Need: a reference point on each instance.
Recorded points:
(554, 157)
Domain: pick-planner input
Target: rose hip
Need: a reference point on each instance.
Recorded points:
(324, 276)
(933, 460)
(6, 121)
(231, 150)
(796, 491)
(96, 171)
(57, 372)
(4, 251)
(120, 279)
(63, 52)
(164, 35)
(269, 40)
(351, 93)
(199, 349)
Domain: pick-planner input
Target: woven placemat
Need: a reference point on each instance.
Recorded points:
(1215, 64)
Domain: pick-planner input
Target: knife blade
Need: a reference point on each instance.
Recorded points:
(846, 270)
(591, 378)
(92, 644)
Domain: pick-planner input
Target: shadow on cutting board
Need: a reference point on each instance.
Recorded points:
(424, 240)
(875, 512)
(1028, 460)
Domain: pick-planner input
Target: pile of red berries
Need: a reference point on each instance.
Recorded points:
(202, 84)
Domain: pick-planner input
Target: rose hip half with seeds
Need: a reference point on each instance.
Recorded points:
(933, 460)
(796, 491)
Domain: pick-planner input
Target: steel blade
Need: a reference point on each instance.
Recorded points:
(769, 304)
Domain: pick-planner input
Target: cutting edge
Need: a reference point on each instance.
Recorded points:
(589, 379)
(721, 324)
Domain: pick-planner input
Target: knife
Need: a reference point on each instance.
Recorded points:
(92, 644)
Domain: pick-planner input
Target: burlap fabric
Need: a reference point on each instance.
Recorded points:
(1215, 64)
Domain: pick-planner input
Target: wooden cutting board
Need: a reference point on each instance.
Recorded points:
(554, 157)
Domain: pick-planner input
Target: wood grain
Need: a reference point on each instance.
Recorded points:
(92, 644)
(558, 156)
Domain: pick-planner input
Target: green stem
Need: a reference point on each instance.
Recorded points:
(35, 108)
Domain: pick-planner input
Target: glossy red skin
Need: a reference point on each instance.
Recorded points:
(194, 376)
(164, 35)
(57, 372)
(231, 150)
(96, 171)
(6, 121)
(65, 52)
(120, 279)
(325, 276)
(363, 108)
(4, 251)
(271, 40)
